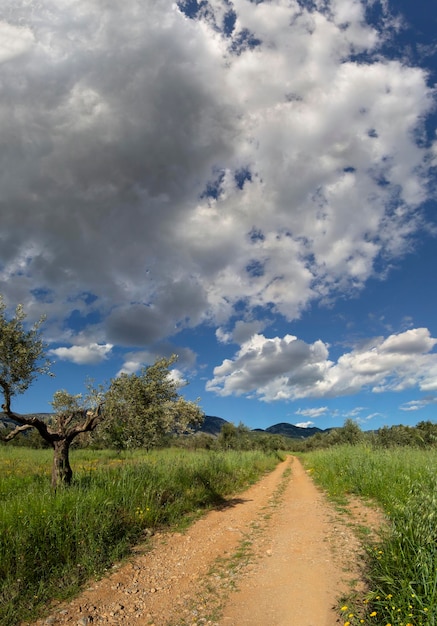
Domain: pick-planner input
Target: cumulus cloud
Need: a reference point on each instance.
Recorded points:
(83, 355)
(241, 332)
(177, 377)
(182, 172)
(288, 368)
(271, 368)
(135, 360)
(305, 424)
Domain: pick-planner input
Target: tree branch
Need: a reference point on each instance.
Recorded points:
(30, 421)
(92, 419)
(15, 432)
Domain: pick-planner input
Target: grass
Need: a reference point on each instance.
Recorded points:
(402, 565)
(51, 544)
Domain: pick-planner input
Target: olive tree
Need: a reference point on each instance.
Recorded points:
(73, 416)
(142, 409)
(22, 359)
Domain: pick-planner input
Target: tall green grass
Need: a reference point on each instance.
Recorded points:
(51, 543)
(402, 566)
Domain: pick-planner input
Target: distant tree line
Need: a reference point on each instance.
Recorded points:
(423, 435)
(233, 437)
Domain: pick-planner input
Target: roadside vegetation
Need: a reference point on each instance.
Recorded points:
(51, 543)
(402, 563)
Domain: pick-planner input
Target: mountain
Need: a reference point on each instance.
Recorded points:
(289, 430)
(212, 425)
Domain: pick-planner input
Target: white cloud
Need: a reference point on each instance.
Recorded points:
(83, 355)
(124, 114)
(178, 377)
(305, 424)
(410, 342)
(242, 331)
(14, 41)
(272, 368)
(416, 405)
(288, 368)
(134, 361)
(318, 412)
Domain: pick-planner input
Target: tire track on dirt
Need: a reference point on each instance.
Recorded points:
(272, 556)
(299, 578)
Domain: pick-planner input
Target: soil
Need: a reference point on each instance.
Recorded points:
(279, 554)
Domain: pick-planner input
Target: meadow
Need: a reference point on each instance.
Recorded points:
(402, 564)
(52, 543)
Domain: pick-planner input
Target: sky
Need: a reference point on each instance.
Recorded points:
(248, 184)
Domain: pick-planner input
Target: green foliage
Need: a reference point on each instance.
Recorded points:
(240, 437)
(52, 543)
(426, 432)
(424, 435)
(71, 412)
(402, 565)
(233, 437)
(142, 410)
(22, 354)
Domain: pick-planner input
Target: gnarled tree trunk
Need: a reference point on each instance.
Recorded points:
(61, 468)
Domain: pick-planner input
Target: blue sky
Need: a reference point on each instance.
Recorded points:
(250, 185)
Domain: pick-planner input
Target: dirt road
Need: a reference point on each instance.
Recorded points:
(277, 555)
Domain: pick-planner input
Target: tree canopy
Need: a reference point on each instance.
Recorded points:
(22, 354)
(142, 409)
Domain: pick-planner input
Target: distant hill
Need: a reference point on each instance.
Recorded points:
(295, 432)
(212, 425)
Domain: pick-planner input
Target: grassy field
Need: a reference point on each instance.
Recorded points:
(51, 543)
(402, 566)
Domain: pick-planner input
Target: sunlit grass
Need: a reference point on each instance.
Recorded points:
(402, 565)
(50, 544)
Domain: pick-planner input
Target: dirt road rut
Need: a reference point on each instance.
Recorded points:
(277, 555)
